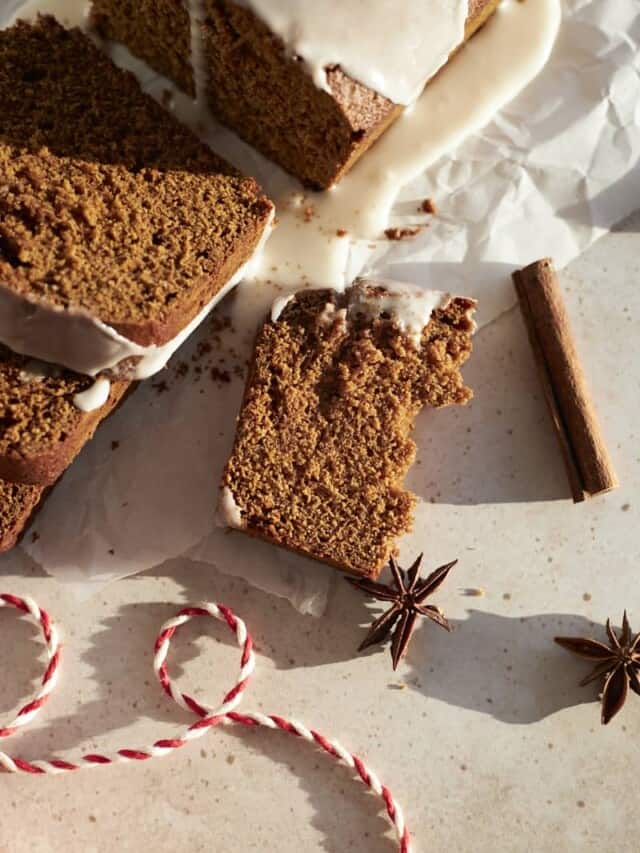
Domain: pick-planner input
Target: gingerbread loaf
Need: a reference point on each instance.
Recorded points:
(255, 86)
(118, 227)
(323, 441)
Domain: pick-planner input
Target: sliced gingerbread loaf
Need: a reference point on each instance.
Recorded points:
(17, 506)
(109, 208)
(48, 415)
(324, 436)
(256, 87)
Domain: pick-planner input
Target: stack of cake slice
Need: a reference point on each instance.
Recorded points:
(324, 437)
(119, 231)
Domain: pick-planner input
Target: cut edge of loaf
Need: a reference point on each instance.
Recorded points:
(342, 124)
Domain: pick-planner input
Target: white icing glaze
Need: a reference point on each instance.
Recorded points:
(409, 305)
(392, 46)
(279, 305)
(76, 340)
(94, 397)
(229, 512)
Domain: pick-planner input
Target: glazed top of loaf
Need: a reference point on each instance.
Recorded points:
(391, 46)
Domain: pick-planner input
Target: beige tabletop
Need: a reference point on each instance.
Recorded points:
(483, 734)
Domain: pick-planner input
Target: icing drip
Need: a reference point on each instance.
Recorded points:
(94, 397)
(399, 45)
(229, 511)
(409, 305)
(279, 305)
(197, 15)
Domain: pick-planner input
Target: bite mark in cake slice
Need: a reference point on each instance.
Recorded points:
(119, 229)
(324, 436)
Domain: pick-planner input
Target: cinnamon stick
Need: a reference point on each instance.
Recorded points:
(589, 467)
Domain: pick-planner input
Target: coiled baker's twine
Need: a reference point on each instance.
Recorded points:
(208, 718)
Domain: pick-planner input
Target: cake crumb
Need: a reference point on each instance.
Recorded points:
(405, 233)
(115, 445)
(220, 376)
(429, 206)
(341, 232)
(472, 591)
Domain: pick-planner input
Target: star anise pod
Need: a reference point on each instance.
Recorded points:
(407, 595)
(618, 663)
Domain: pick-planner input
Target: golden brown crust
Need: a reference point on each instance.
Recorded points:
(324, 435)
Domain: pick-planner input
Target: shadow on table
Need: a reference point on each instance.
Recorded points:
(19, 676)
(598, 212)
(347, 814)
(501, 447)
(127, 689)
(506, 667)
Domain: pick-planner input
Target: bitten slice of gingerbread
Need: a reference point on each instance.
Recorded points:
(324, 436)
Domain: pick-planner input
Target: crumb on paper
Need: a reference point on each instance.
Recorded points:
(586, 596)
(115, 445)
(341, 232)
(405, 233)
(472, 591)
(429, 206)
(160, 387)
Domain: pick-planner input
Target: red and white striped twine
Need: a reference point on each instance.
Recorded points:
(208, 718)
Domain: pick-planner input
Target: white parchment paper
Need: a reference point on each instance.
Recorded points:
(550, 174)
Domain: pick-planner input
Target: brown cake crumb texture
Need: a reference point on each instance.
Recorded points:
(323, 441)
(41, 430)
(257, 88)
(17, 505)
(106, 202)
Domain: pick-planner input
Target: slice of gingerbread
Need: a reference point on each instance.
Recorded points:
(324, 436)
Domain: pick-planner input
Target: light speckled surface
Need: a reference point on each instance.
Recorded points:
(482, 734)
